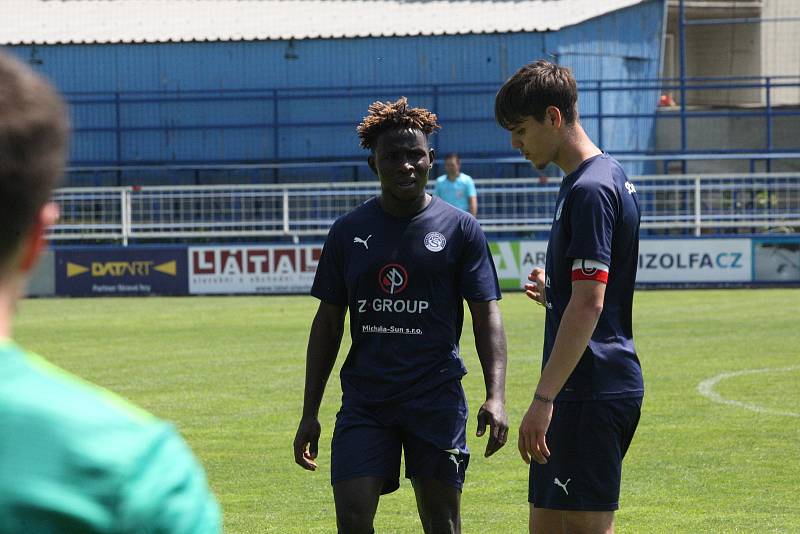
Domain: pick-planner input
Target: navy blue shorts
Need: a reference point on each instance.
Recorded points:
(587, 442)
(430, 430)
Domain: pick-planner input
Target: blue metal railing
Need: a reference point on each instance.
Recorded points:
(275, 126)
(436, 92)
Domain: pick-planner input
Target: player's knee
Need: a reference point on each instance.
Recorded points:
(355, 520)
(589, 522)
(545, 521)
(350, 523)
(441, 521)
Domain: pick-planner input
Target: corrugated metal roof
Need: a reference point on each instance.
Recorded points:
(150, 21)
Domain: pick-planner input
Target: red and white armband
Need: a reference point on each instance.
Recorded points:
(589, 270)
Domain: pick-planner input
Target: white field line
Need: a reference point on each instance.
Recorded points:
(706, 389)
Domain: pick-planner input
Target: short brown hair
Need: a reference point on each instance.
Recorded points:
(385, 116)
(534, 88)
(34, 132)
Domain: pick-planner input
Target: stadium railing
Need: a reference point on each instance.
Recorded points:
(671, 204)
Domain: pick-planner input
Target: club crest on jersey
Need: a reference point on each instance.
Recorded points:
(393, 278)
(435, 242)
(560, 207)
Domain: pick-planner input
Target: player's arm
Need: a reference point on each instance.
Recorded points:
(490, 342)
(323, 346)
(576, 329)
(472, 195)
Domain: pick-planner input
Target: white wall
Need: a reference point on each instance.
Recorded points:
(780, 49)
(717, 50)
(765, 49)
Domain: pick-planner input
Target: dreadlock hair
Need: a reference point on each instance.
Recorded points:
(390, 115)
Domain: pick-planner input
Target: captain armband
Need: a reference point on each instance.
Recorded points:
(589, 270)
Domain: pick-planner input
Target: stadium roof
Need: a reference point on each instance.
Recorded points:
(154, 21)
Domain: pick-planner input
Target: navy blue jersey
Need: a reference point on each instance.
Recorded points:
(597, 219)
(403, 280)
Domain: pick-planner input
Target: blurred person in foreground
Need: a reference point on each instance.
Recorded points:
(74, 458)
(455, 187)
(587, 402)
(402, 263)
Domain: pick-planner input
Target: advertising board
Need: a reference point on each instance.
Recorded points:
(776, 260)
(694, 261)
(669, 261)
(121, 271)
(252, 269)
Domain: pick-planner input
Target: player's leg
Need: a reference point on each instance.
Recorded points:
(436, 454)
(356, 503)
(581, 481)
(439, 506)
(545, 521)
(365, 463)
(588, 522)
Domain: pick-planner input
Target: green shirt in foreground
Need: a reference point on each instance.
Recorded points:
(75, 458)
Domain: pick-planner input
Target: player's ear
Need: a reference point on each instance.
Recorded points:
(553, 116)
(371, 163)
(431, 157)
(35, 241)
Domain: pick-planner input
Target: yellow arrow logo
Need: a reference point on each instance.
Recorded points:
(170, 268)
(73, 269)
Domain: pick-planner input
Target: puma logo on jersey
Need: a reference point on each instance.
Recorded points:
(562, 486)
(629, 188)
(362, 241)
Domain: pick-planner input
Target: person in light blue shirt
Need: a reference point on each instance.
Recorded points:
(455, 187)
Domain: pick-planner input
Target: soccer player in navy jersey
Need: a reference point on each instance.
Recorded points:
(402, 263)
(587, 402)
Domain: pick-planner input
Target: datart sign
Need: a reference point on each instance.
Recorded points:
(252, 269)
(121, 271)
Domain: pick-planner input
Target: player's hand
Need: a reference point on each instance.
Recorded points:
(306, 443)
(532, 443)
(535, 290)
(493, 414)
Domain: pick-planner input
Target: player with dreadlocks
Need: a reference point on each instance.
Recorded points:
(402, 263)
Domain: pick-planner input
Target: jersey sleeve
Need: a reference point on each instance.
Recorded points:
(166, 492)
(592, 218)
(478, 277)
(471, 192)
(329, 284)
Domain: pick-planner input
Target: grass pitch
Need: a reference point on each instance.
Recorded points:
(229, 372)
